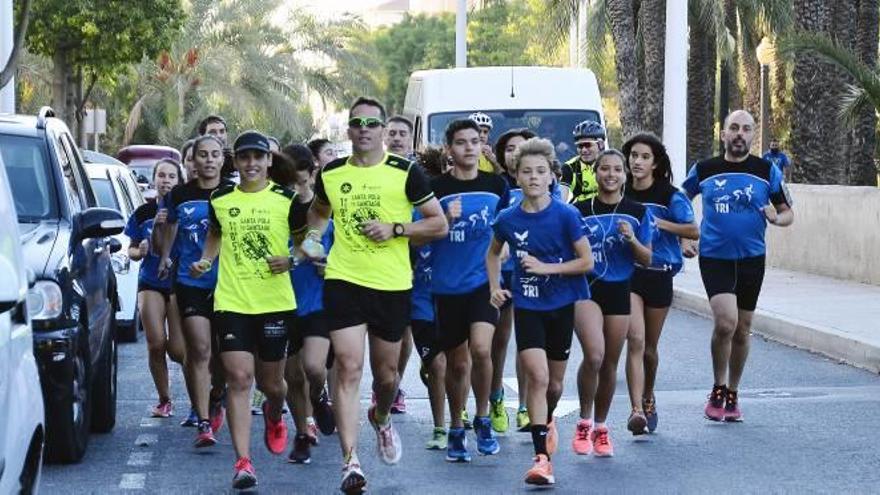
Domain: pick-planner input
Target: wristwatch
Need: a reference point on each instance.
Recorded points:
(398, 229)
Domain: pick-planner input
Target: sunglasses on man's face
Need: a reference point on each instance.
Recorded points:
(586, 145)
(368, 122)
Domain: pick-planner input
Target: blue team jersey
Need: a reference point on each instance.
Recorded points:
(613, 259)
(308, 285)
(777, 158)
(666, 202)
(138, 228)
(422, 300)
(734, 194)
(549, 235)
(459, 259)
(516, 196)
(187, 205)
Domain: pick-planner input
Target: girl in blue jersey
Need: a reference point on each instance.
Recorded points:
(620, 233)
(552, 254)
(154, 296)
(651, 286)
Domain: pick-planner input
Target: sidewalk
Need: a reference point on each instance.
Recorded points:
(832, 317)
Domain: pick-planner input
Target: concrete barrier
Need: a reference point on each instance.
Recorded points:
(836, 233)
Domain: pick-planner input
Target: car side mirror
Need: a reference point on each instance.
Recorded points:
(97, 222)
(115, 245)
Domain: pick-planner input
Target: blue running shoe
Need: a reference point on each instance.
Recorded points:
(191, 420)
(650, 408)
(456, 448)
(487, 444)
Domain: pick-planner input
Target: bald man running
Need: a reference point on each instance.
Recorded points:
(741, 194)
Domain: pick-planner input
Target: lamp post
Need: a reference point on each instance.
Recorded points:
(461, 34)
(764, 52)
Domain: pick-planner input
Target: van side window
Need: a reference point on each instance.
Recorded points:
(71, 186)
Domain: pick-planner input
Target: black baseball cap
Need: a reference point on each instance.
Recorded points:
(251, 140)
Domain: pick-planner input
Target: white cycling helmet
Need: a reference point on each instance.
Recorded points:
(481, 119)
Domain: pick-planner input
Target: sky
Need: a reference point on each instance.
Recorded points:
(335, 5)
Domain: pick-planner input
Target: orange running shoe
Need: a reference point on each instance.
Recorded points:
(275, 434)
(602, 442)
(552, 438)
(541, 473)
(582, 443)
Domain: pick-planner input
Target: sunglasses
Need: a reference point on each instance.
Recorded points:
(368, 122)
(586, 145)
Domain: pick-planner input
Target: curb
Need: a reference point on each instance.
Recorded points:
(820, 339)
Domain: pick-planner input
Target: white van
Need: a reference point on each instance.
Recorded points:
(550, 101)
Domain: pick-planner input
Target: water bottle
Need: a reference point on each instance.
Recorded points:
(312, 246)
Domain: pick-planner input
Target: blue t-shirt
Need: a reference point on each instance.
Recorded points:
(138, 228)
(422, 300)
(613, 258)
(549, 235)
(665, 202)
(187, 205)
(734, 194)
(516, 196)
(308, 285)
(777, 158)
(459, 259)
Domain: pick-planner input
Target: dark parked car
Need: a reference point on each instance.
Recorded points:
(67, 242)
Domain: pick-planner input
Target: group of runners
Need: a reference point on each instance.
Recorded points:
(281, 267)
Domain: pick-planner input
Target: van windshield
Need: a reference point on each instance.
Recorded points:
(27, 167)
(555, 125)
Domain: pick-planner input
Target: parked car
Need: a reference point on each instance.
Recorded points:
(91, 156)
(21, 420)
(141, 158)
(115, 188)
(67, 242)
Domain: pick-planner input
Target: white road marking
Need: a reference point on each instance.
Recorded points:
(151, 422)
(140, 459)
(133, 481)
(146, 439)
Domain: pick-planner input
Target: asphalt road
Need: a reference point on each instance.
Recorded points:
(810, 426)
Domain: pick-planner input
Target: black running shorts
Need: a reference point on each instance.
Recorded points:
(426, 340)
(549, 330)
(742, 278)
(612, 297)
(653, 286)
(194, 301)
(264, 335)
(386, 313)
(457, 312)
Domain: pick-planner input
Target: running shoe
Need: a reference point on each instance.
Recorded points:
(456, 447)
(602, 442)
(205, 435)
(192, 420)
(301, 453)
(523, 423)
(323, 411)
(487, 444)
(732, 412)
(216, 411)
(438, 439)
(312, 431)
(582, 443)
(650, 408)
(353, 481)
(244, 476)
(498, 415)
(275, 432)
(637, 423)
(466, 420)
(257, 403)
(399, 404)
(163, 409)
(715, 405)
(390, 448)
(552, 437)
(541, 472)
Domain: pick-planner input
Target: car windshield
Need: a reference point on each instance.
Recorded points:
(33, 191)
(143, 170)
(104, 193)
(555, 125)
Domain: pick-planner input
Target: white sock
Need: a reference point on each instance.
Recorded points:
(597, 425)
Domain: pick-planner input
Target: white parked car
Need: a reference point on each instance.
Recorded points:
(115, 187)
(22, 430)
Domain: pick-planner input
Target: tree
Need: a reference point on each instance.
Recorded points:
(11, 65)
(96, 38)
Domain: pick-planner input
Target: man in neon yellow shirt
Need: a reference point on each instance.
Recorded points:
(578, 180)
(488, 162)
(250, 226)
(368, 279)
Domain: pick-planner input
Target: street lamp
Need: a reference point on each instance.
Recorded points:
(765, 52)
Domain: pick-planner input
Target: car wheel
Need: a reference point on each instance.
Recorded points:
(104, 385)
(68, 415)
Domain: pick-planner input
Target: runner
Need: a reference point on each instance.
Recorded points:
(189, 167)
(323, 151)
(578, 177)
(465, 319)
(651, 286)
(214, 125)
(552, 255)
(741, 194)
(620, 233)
(504, 149)
(370, 195)
(250, 227)
(488, 162)
(154, 294)
(182, 221)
